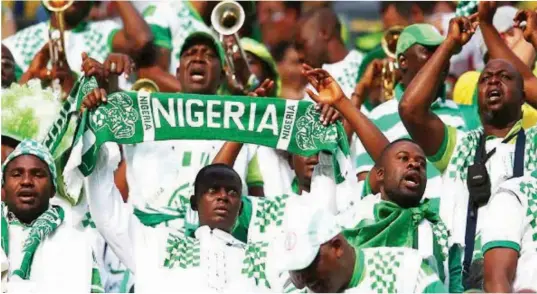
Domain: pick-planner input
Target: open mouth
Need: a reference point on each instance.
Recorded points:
(494, 95)
(221, 210)
(27, 196)
(412, 180)
(197, 73)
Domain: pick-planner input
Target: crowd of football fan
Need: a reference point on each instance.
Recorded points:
(436, 192)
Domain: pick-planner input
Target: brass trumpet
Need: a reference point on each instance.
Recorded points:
(145, 85)
(57, 43)
(389, 45)
(227, 18)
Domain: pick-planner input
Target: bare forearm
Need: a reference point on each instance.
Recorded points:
(228, 153)
(135, 29)
(497, 285)
(368, 133)
(165, 81)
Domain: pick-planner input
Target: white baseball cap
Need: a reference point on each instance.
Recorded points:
(502, 21)
(305, 228)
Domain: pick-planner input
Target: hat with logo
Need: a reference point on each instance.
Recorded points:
(305, 229)
(421, 33)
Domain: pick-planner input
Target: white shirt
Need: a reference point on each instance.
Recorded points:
(146, 251)
(95, 38)
(510, 221)
(345, 72)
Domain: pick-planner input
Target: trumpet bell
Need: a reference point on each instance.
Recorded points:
(145, 85)
(227, 17)
(57, 5)
(389, 40)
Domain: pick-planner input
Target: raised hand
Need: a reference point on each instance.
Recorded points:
(38, 66)
(117, 64)
(368, 82)
(92, 68)
(330, 93)
(93, 99)
(486, 11)
(461, 30)
(530, 29)
(263, 89)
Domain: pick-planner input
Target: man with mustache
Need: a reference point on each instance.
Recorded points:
(415, 46)
(43, 250)
(473, 164)
(397, 216)
(318, 257)
(509, 242)
(161, 257)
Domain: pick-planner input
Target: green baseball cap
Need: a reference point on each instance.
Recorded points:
(423, 34)
(259, 50)
(201, 35)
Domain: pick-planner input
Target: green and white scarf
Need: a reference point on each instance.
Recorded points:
(131, 118)
(42, 227)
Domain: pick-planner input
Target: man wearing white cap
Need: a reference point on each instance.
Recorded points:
(317, 256)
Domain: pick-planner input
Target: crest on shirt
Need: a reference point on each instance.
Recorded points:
(118, 115)
(290, 241)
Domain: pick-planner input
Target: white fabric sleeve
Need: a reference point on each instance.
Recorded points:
(323, 184)
(113, 218)
(504, 221)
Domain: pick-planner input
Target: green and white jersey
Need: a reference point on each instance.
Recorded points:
(386, 118)
(171, 23)
(216, 261)
(393, 270)
(345, 72)
(510, 221)
(94, 37)
(433, 241)
(175, 164)
(457, 152)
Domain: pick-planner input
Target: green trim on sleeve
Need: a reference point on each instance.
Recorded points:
(110, 40)
(435, 287)
(18, 72)
(162, 36)
(254, 178)
(441, 159)
(500, 244)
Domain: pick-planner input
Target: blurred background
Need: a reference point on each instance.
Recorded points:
(363, 20)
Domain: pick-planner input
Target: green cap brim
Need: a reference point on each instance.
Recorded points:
(422, 34)
(199, 35)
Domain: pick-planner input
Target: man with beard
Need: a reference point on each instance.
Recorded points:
(473, 164)
(43, 251)
(397, 216)
(415, 46)
(163, 258)
(97, 38)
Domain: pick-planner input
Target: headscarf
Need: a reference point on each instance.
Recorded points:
(32, 147)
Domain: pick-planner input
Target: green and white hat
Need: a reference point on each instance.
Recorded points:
(305, 229)
(32, 147)
(259, 50)
(421, 33)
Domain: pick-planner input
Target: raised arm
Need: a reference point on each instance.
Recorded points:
(165, 81)
(136, 36)
(112, 217)
(498, 49)
(422, 124)
(530, 29)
